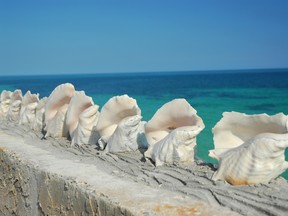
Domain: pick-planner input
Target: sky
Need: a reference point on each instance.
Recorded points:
(85, 36)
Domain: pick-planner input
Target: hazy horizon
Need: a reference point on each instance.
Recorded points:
(225, 71)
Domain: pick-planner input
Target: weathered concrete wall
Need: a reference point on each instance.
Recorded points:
(38, 179)
(49, 177)
(27, 190)
(17, 187)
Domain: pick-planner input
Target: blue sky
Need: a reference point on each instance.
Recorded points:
(68, 36)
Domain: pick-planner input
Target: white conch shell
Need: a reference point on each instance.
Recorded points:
(172, 131)
(236, 128)
(250, 148)
(15, 105)
(5, 102)
(85, 132)
(258, 160)
(125, 137)
(39, 123)
(79, 102)
(56, 109)
(112, 113)
(28, 106)
(178, 146)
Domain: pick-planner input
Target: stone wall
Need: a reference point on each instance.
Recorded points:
(37, 178)
(26, 190)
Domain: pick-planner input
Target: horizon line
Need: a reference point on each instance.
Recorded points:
(214, 71)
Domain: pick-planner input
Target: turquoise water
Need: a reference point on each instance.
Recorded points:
(211, 94)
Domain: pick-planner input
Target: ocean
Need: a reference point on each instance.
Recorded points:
(210, 92)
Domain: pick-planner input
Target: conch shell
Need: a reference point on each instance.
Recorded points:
(39, 123)
(5, 102)
(28, 107)
(79, 102)
(56, 109)
(250, 148)
(126, 136)
(85, 133)
(117, 109)
(171, 133)
(15, 105)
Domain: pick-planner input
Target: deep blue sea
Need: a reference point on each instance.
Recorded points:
(210, 93)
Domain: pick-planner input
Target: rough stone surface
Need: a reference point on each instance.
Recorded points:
(36, 181)
(49, 177)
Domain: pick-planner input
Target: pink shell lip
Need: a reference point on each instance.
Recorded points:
(56, 107)
(78, 103)
(29, 98)
(114, 111)
(235, 128)
(59, 97)
(175, 114)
